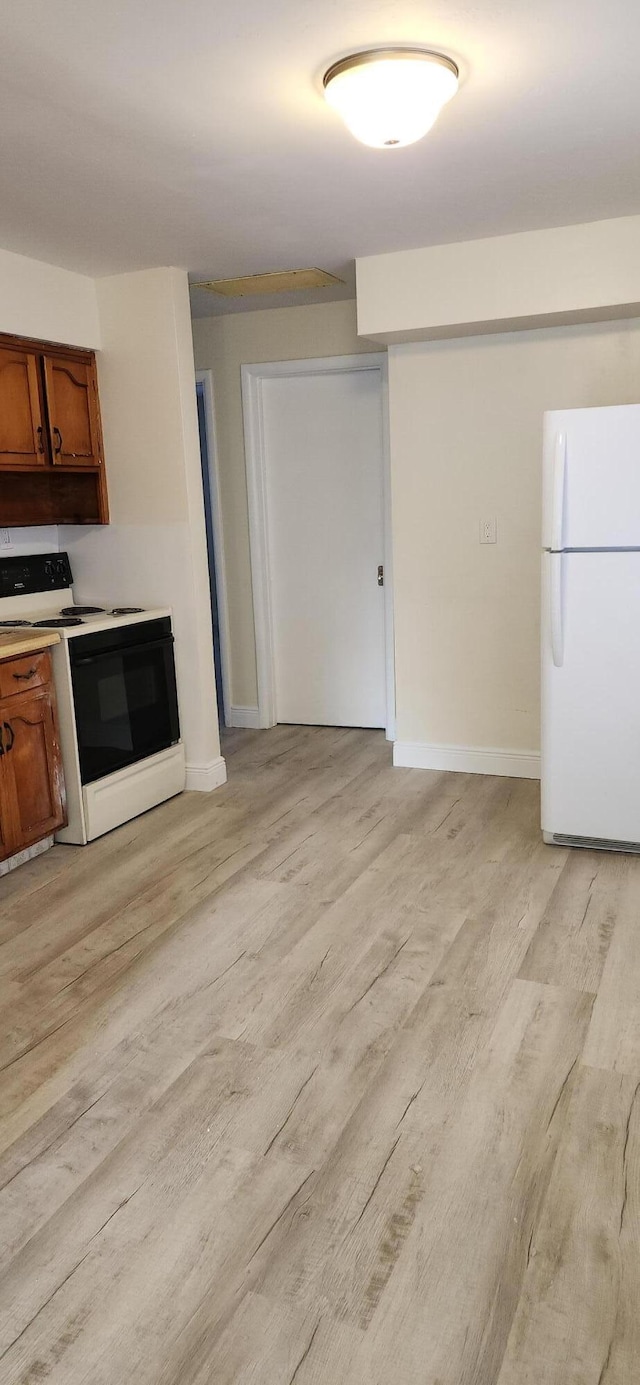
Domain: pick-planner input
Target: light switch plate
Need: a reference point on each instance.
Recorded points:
(489, 530)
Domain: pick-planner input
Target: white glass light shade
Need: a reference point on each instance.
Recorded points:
(391, 97)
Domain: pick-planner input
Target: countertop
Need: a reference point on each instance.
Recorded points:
(15, 642)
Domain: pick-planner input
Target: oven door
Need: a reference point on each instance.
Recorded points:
(124, 693)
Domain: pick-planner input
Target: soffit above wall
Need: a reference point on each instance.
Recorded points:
(570, 274)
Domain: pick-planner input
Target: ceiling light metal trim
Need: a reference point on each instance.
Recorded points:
(372, 55)
(390, 97)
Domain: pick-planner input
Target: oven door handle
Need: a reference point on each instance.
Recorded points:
(164, 643)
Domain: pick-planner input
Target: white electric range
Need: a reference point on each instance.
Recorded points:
(115, 683)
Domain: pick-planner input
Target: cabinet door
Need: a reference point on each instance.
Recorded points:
(22, 442)
(32, 762)
(7, 806)
(74, 418)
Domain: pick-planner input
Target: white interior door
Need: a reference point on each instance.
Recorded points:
(324, 500)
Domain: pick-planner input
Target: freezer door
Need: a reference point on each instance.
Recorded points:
(591, 485)
(591, 695)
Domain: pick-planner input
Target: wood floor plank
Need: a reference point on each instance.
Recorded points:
(577, 1318)
(260, 1347)
(570, 946)
(171, 1145)
(328, 1254)
(483, 1191)
(473, 1182)
(159, 1265)
(613, 1040)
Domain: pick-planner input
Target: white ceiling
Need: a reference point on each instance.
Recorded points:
(194, 132)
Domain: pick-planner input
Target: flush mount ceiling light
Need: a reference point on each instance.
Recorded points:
(391, 96)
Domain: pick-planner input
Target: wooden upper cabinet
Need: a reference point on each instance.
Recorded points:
(51, 455)
(22, 438)
(72, 402)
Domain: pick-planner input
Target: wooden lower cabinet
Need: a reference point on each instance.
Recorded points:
(6, 821)
(32, 799)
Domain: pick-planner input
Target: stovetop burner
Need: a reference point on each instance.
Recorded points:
(13, 624)
(127, 610)
(83, 611)
(57, 623)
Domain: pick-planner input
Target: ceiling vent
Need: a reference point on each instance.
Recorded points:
(281, 281)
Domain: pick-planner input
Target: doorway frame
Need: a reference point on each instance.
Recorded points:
(253, 377)
(205, 377)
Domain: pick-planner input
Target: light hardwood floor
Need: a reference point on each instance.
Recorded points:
(331, 1077)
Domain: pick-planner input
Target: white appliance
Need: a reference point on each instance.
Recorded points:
(591, 628)
(115, 687)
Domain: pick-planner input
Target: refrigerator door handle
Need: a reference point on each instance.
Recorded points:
(555, 596)
(557, 500)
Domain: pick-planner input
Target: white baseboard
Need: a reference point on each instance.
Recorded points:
(244, 716)
(27, 855)
(467, 759)
(204, 778)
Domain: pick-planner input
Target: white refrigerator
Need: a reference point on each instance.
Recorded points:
(591, 628)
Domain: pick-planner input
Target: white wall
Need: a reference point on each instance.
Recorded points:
(223, 344)
(533, 279)
(39, 300)
(154, 550)
(43, 539)
(466, 420)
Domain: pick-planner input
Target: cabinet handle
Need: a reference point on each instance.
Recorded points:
(1, 743)
(40, 442)
(57, 450)
(24, 677)
(8, 727)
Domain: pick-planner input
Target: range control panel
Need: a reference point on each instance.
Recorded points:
(41, 572)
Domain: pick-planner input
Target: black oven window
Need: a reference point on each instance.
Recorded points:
(125, 704)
